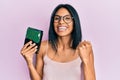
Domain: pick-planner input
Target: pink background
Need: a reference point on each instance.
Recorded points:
(100, 20)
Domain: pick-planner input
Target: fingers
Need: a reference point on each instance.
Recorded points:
(26, 45)
(85, 44)
(31, 51)
(29, 48)
(85, 50)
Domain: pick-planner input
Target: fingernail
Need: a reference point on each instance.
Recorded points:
(36, 46)
(33, 44)
(30, 41)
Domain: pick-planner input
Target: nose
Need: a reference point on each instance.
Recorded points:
(61, 20)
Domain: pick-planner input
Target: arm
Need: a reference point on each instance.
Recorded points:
(33, 73)
(28, 53)
(36, 72)
(88, 69)
(39, 61)
(86, 55)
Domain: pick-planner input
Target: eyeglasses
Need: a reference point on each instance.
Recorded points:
(66, 18)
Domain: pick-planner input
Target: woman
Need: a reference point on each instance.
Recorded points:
(64, 56)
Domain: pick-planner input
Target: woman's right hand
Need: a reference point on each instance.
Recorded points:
(27, 52)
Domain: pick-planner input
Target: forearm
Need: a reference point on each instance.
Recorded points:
(89, 71)
(33, 73)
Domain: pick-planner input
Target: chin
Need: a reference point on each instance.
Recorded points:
(63, 35)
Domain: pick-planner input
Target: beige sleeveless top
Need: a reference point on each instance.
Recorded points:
(54, 70)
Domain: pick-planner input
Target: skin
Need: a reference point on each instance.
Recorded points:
(64, 54)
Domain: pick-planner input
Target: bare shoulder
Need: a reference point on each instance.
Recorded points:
(42, 48)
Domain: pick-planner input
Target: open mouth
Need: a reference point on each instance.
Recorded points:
(62, 28)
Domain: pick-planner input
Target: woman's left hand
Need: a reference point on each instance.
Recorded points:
(84, 50)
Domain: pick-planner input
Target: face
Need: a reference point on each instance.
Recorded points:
(63, 22)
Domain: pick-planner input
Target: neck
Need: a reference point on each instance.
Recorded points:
(64, 42)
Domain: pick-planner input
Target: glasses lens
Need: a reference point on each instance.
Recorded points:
(56, 18)
(67, 19)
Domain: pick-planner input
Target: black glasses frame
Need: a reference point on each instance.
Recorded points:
(63, 18)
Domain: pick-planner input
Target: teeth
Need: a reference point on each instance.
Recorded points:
(62, 28)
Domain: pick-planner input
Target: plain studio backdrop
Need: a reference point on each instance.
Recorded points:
(100, 21)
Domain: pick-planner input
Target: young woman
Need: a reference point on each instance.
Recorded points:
(64, 56)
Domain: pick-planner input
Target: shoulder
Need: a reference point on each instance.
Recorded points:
(42, 48)
(44, 43)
